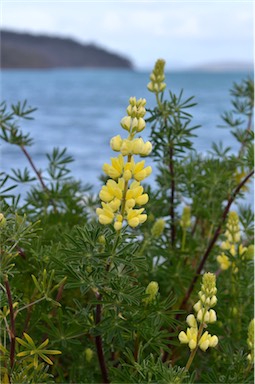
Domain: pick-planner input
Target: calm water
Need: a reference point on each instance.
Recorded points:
(81, 109)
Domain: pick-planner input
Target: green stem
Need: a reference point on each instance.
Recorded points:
(30, 304)
(193, 353)
(158, 101)
(183, 239)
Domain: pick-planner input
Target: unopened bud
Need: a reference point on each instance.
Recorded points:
(151, 291)
(158, 228)
(2, 221)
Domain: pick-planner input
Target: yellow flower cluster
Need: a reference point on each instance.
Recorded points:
(123, 193)
(231, 247)
(194, 336)
(157, 77)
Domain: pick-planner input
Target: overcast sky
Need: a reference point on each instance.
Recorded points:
(184, 33)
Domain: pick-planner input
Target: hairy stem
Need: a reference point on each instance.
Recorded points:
(38, 174)
(12, 321)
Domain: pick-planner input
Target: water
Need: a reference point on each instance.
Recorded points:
(81, 109)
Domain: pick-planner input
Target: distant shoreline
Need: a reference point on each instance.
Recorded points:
(28, 51)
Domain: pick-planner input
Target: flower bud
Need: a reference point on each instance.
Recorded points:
(132, 101)
(151, 291)
(162, 86)
(183, 337)
(101, 239)
(158, 228)
(141, 124)
(191, 321)
(213, 301)
(126, 122)
(2, 221)
(147, 148)
(126, 147)
(150, 86)
(116, 143)
(137, 146)
(213, 341)
(117, 225)
(88, 354)
(197, 306)
(185, 221)
(212, 316)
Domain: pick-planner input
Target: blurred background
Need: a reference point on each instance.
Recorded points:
(78, 62)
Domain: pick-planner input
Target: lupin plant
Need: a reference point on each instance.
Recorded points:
(110, 287)
(123, 192)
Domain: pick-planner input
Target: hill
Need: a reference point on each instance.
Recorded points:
(23, 50)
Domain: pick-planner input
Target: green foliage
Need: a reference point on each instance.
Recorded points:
(71, 282)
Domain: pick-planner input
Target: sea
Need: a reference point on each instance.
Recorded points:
(81, 109)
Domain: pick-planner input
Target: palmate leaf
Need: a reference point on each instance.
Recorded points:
(32, 350)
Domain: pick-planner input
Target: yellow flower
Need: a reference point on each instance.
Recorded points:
(139, 172)
(204, 341)
(224, 261)
(225, 245)
(106, 214)
(191, 321)
(114, 170)
(135, 192)
(112, 190)
(190, 337)
(135, 217)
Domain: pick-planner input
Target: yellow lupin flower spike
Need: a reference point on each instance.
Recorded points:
(194, 336)
(123, 193)
(231, 247)
(157, 85)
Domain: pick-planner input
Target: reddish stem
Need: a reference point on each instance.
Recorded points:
(99, 344)
(172, 214)
(12, 320)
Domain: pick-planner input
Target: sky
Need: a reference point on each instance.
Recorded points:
(184, 33)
